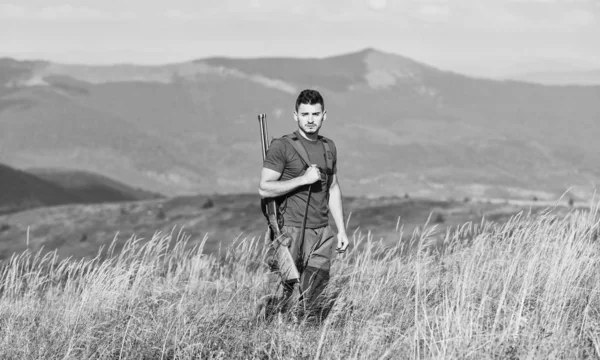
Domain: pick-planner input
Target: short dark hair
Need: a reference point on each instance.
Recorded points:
(310, 97)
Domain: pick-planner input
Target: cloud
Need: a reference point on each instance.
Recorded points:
(70, 12)
(433, 12)
(533, 1)
(59, 12)
(550, 20)
(182, 15)
(551, 1)
(11, 11)
(377, 5)
(578, 18)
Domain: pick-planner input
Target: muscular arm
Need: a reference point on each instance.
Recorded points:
(270, 186)
(335, 205)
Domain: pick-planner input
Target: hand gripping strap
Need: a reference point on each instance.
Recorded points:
(297, 144)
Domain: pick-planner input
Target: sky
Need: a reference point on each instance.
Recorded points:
(477, 37)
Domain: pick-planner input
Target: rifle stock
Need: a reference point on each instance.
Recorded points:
(286, 266)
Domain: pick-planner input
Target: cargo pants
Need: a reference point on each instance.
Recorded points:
(313, 260)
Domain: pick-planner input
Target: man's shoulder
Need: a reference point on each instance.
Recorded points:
(281, 145)
(327, 140)
(290, 136)
(284, 143)
(330, 143)
(280, 142)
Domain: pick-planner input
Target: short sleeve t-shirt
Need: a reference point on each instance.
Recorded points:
(283, 158)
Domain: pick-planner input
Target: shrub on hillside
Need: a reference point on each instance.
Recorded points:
(208, 203)
(160, 213)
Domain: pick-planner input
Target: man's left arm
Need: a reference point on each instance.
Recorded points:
(337, 212)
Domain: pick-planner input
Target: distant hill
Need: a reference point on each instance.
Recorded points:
(93, 188)
(48, 187)
(22, 191)
(565, 77)
(400, 126)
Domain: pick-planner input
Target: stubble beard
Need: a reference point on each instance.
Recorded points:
(311, 130)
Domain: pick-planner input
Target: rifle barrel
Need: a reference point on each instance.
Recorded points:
(263, 134)
(271, 205)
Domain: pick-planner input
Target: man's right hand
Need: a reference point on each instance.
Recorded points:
(312, 175)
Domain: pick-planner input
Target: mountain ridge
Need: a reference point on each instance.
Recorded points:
(24, 190)
(400, 126)
(561, 77)
(91, 187)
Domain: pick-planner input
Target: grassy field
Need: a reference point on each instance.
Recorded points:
(527, 288)
(79, 230)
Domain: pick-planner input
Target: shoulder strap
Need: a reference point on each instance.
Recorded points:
(295, 142)
(328, 154)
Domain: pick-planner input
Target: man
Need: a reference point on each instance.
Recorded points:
(286, 176)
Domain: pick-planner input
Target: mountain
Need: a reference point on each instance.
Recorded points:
(93, 188)
(400, 126)
(565, 77)
(49, 187)
(21, 191)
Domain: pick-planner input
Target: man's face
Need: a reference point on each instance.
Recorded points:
(310, 118)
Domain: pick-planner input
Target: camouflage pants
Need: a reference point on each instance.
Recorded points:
(313, 259)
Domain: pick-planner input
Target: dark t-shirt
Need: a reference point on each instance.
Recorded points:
(283, 158)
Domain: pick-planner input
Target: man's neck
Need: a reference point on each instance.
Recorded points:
(309, 137)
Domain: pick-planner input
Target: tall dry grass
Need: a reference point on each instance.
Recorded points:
(524, 289)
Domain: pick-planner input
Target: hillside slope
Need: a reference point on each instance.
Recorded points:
(22, 191)
(400, 126)
(92, 188)
(50, 187)
(580, 77)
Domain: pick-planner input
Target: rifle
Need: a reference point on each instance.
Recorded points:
(285, 264)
